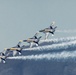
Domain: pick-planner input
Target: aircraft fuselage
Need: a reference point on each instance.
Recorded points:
(31, 40)
(15, 48)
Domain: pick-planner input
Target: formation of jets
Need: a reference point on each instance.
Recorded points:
(33, 40)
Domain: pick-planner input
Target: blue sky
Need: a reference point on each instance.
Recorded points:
(20, 19)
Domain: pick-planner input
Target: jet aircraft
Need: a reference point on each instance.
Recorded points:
(32, 40)
(3, 57)
(15, 49)
(51, 29)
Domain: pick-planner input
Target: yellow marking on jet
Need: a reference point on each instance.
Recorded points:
(14, 48)
(5, 48)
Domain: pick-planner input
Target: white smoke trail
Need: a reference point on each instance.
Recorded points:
(63, 45)
(59, 40)
(66, 31)
(49, 56)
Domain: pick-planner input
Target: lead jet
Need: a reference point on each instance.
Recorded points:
(3, 57)
(16, 49)
(51, 29)
(33, 40)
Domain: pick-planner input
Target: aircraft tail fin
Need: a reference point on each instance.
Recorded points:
(36, 34)
(39, 39)
(18, 45)
(35, 37)
(53, 30)
(2, 54)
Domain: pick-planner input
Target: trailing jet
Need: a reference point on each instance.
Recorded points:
(3, 57)
(51, 29)
(15, 49)
(32, 40)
